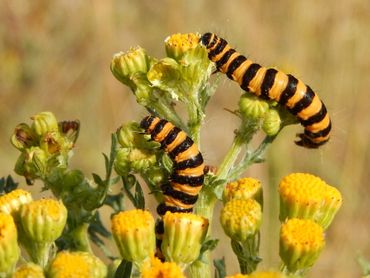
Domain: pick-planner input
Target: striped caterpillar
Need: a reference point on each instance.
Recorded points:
(186, 180)
(271, 84)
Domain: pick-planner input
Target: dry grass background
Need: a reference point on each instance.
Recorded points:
(55, 55)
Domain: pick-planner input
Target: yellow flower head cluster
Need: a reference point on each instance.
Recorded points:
(309, 197)
(134, 234)
(43, 220)
(11, 202)
(76, 264)
(178, 44)
(157, 269)
(244, 188)
(241, 218)
(301, 241)
(183, 236)
(9, 250)
(29, 270)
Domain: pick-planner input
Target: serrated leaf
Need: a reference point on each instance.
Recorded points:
(209, 245)
(124, 270)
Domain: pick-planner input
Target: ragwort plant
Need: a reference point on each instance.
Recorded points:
(162, 152)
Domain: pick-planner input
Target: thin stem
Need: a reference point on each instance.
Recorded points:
(251, 158)
(166, 111)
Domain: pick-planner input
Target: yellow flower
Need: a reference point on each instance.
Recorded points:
(301, 242)
(9, 250)
(29, 270)
(178, 44)
(12, 201)
(43, 220)
(134, 234)
(157, 269)
(244, 188)
(183, 236)
(76, 264)
(308, 197)
(241, 219)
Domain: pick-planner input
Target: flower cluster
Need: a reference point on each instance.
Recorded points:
(55, 233)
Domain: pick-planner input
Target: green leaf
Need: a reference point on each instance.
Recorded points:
(98, 180)
(124, 270)
(139, 197)
(220, 268)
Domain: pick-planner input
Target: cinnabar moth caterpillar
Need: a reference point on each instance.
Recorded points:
(186, 180)
(271, 84)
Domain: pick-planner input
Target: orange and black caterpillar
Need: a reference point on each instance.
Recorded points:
(187, 177)
(271, 84)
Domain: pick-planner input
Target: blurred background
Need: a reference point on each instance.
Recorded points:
(55, 56)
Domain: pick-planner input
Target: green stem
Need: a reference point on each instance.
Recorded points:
(81, 238)
(195, 121)
(251, 158)
(201, 269)
(230, 157)
(165, 110)
(39, 252)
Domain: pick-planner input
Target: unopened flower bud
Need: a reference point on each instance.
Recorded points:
(301, 242)
(29, 270)
(23, 137)
(44, 122)
(308, 197)
(125, 65)
(130, 135)
(244, 188)
(32, 163)
(253, 107)
(76, 264)
(271, 122)
(9, 250)
(241, 219)
(43, 220)
(134, 234)
(183, 236)
(178, 44)
(156, 269)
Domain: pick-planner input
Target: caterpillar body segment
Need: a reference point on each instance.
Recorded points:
(271, 84)
(186, 180)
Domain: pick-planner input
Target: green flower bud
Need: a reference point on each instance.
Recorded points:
(241, 219)
(23, 137)
(44, 122)
(178, 44)
(155, 175)
(308, 197)
(131, 135)
(183, 236)
(141, 160)
(76, 264)
(122, 164)
(134, 234)
(32, 163)
(9, 250)
(251, 106)
(29, 270)
(301, 242)
(272, 122)
(245, 188)
(43, 220)
(125, 65)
